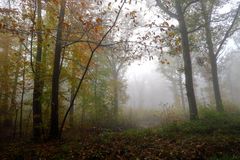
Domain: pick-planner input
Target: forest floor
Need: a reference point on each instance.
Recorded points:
(212, 137)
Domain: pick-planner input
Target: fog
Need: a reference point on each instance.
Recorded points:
(147, 87)
(119, 79)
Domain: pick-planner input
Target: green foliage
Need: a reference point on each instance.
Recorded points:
(210, 122)
(138, 133)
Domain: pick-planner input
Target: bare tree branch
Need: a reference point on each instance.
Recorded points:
(93, 50)
(189, 4)
(165, 9)
(195, 29)
(227, 34)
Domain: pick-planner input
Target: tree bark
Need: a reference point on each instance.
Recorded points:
(21, 105)
(182, 92)
(213, 60)
(71, 114)
(15, 124)
(115, 93)
(7, 115)
(13, 99)
(187, 62)
(38, 83)
(54, 128)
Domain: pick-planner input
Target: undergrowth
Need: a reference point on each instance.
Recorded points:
(214, 136)
(210, 122)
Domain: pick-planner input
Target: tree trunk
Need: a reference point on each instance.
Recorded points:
(13, 99)
(21, 105)
(7, 115)
(115, 94)
(71, 113)
(54, 128)
(232, 95)
(213, 60)
(175, 92)
(182, 92)
(15, 124)
(187, 62)
(15, 85)
(38, 84)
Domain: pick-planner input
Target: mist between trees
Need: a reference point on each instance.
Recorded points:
(69, 64)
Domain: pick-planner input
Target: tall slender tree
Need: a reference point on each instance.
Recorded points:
(179, 15)
(206, 13)
(187, 61)
(212, 57)
(38, 83)
(54, 128)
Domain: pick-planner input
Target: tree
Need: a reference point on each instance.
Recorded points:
(38, 81)
(93, 50)
(54, 128)
(173, 70)
(212, 54)
(179, 15)
(5, 87)
(117, 60)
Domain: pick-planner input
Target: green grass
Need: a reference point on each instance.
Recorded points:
(209, 123)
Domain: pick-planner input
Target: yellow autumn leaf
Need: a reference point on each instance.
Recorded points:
(99, 20)
(98, 28)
